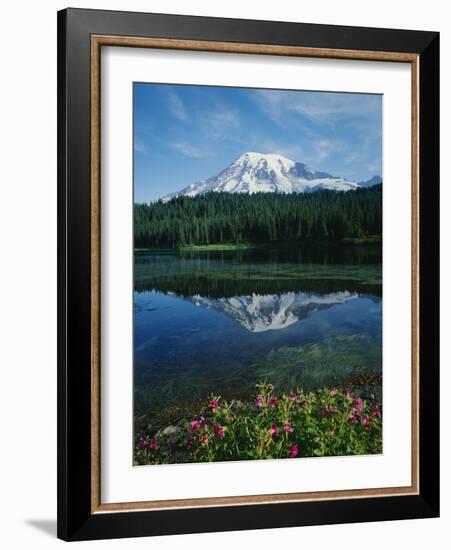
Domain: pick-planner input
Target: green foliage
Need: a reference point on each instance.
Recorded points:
(328, 422)
(215, 247)
(260, 218)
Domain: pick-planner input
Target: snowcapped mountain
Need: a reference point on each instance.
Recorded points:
(260, 313)
(372, 181)
(265, 173)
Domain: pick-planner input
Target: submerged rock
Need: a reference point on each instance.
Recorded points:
(170, 430)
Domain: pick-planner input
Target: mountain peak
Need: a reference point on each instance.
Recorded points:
(268, 161)
(255, 157)
(254, 172)
(372, 181)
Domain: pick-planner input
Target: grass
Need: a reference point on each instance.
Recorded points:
(326, 422)
(217, 247)
(369, 239)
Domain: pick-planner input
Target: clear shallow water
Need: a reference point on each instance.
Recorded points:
(219, 322)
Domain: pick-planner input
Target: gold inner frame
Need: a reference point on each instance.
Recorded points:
(97, 41)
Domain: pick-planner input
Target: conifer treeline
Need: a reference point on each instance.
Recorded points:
(262, 217)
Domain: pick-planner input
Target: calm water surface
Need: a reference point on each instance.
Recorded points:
(219, 322)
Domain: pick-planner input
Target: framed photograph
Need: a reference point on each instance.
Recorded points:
(248, 274)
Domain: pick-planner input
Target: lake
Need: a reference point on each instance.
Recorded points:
(220, 321)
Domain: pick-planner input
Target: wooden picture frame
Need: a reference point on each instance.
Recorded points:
(81, 35)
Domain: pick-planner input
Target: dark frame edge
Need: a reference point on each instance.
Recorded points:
(260, 516)
(429, 277)
(62, 493)
(73, 283)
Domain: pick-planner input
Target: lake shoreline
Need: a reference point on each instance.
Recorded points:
(329, 421)
(373, 240)
(367, 386)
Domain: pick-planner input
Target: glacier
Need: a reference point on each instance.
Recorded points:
(254, 172)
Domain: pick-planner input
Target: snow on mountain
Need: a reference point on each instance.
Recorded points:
(265, 173)
(260, 313)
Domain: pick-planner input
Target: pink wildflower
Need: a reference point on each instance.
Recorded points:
(294, 450)
(196, 424)
(333, 392)
(260, 401)
(348, 394)
(189, 442)
(154, 444)
(366, 421)
(143, 443)
(272, 402)
(377, 411)
(359, 404)
(214, 404)
(287, 427)
(352, 417)
(274, 430)
(293, 396)
(219, 431)
(204, 439)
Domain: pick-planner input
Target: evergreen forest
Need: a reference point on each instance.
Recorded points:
(226, 218)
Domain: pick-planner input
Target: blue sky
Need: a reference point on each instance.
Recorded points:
(183, 134)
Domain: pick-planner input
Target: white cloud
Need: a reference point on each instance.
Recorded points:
(293, 152)
(351, 157)
(324, 149)
(219, 123)
(175, 104)
(139, 147)
(374, 168)
(321, 107)
(188, 150)
(314, 154)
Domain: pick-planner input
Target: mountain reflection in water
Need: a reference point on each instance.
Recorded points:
(257, 313)
(219, 322)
